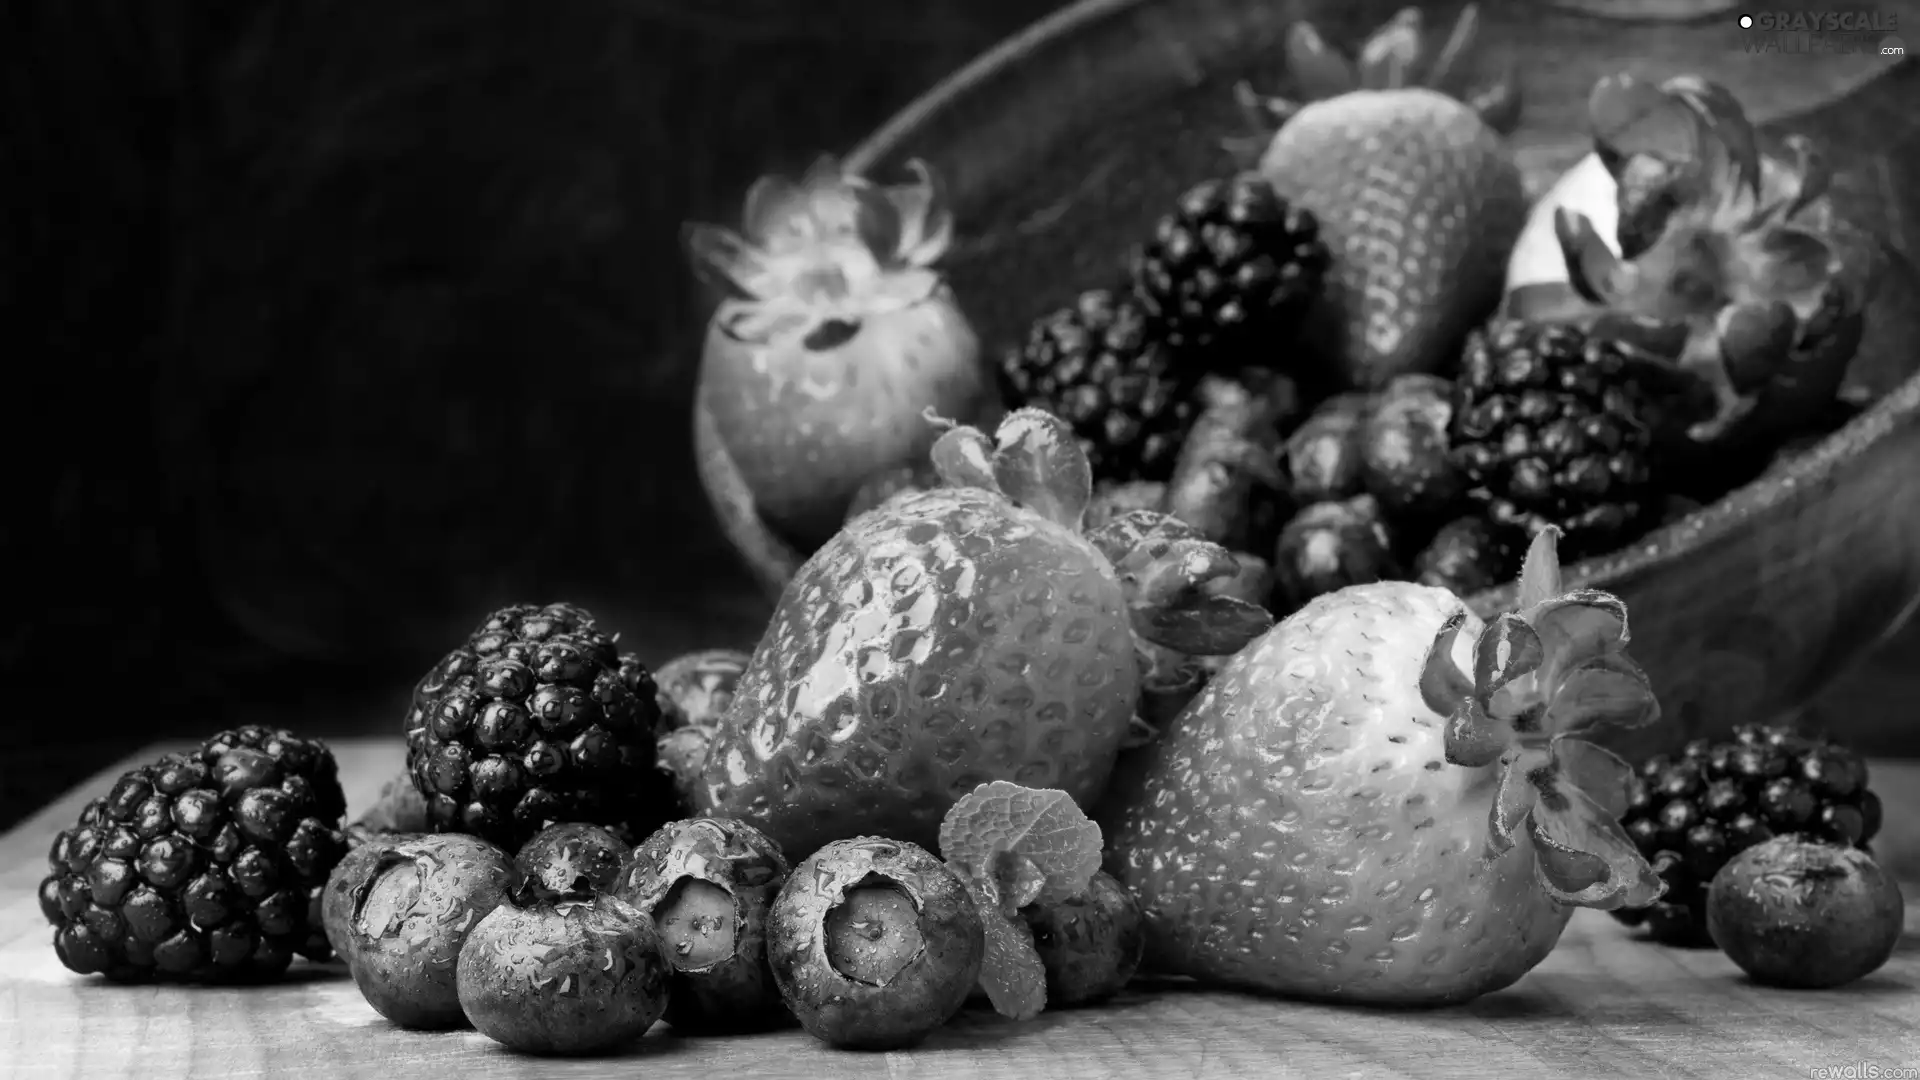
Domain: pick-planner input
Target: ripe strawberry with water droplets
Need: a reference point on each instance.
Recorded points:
(951, 637)
(1345, 814)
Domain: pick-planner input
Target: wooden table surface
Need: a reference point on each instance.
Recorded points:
(1603, 1005)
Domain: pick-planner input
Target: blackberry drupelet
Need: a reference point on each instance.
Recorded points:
(1554, 427)
(535, 719)
(1096, 365)
(206, 866)
(1694, 812)
(1233, 253)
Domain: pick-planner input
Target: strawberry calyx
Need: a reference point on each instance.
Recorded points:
(1736, 248)
(1164, 564)
(1399, 54)
(1544, 678)
(816, 255)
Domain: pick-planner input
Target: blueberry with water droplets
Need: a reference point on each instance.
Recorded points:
(577, 977)
(409, 916)
(874, 943)
(709, 884)
(1805, 915)
(572, 860)
(1090, 945)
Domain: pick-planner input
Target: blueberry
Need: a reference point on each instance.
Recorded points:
(408, 917)
(1467, 556)
(1328, 546)
(1805, 915)
(1404, 458)
(572, 860)
(1323, 453)
(1090, 945)
(874, 944)
(577, 977)
(709, 883)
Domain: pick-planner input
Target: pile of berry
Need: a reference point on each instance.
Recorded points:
(1694, 812)
(1196, 388)
(542, 803)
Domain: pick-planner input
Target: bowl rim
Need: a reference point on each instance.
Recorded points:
(1704, 527)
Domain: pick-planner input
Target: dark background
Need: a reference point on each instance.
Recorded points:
(332, 325)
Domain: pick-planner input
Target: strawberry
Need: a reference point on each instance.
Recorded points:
(1416, 193)
(961, 635)
(1736, 252)
(835, 333)
(1344, 814)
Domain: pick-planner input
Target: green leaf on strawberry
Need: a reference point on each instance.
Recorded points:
(1015, 846)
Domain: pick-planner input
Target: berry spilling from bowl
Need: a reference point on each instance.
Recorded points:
(1136, 642)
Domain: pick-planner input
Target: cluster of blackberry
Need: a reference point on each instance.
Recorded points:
(1438, 479)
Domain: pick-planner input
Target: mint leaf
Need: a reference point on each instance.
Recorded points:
(1018, 880)
(1012, 975)
(1042, 825)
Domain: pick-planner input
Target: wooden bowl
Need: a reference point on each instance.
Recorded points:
(1062, 145)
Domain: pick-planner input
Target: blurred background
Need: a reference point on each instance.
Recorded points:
(332, 325)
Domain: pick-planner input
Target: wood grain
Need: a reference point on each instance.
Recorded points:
(1603, 1005)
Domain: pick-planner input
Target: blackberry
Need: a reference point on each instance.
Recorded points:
(1693, 812)
(1552, 426)
(1233, 254)
(535, 719)
(204, 866)
(1095, 365)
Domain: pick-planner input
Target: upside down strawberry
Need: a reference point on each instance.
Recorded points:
(836, 333)
(1345, 814)
(961, 635)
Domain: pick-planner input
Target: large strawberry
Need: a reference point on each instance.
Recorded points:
(1415, 191)
(1736, 251)
(835, 333)
(1345, 814)
(960, 635)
